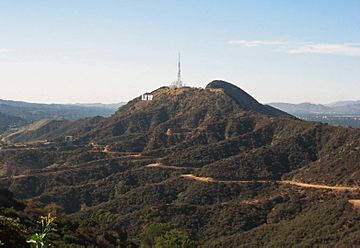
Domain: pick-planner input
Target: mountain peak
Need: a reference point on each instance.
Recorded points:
(246, 101)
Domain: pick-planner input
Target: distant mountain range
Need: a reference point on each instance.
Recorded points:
(344, 113)
(343, 107)
(37, 111)
(343, 103)
(100, 105)
(15, 114)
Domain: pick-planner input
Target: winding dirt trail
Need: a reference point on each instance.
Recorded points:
(158, 165)
(61, 168)
(355, 203)
(212, 180)
(320, 186)
(286, 182)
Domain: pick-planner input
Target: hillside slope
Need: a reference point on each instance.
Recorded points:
(8, 121)
(46, 129)
(35, 111)
(246, 101)
(129, 170)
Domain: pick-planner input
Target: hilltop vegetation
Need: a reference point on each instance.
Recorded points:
(105, 193)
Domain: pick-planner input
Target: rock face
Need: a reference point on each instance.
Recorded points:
(246, 101)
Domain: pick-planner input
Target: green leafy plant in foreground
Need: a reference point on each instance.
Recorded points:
(40, 240)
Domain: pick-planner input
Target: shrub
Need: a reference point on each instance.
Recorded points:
(163, 235)
(40, 240)
(152, 232)
(12, 233)
(175, 239)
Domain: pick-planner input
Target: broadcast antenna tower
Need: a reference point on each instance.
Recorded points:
(178, 83)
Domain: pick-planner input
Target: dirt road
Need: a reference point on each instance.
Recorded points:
(355, 203)
(158, 165)
(286, 182)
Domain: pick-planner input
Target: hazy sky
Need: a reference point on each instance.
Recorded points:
(111, 51)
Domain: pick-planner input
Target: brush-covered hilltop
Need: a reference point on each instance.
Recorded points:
(214, 163)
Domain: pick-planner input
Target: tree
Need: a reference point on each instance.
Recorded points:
(165, 236)
(174, 239)
(12, 233)
(152, 232)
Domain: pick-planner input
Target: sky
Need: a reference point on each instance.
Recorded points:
(86, 51)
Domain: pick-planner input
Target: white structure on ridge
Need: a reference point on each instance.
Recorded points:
(69, 139)
(178, 83)
(147, 97)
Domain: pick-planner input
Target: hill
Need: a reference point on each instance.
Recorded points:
(302, 108)
(346, 113)
(46, 129)
(345, 107)
(214, 163)
(246, 101)
(35, 111)
(8, 121)
(343, 103)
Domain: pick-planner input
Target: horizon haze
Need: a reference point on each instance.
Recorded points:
(86, 52)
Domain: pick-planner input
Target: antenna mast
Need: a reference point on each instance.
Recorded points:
(179, 69)
(178, 83)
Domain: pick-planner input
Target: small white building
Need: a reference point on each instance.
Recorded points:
(147, 97)
(69, 139)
